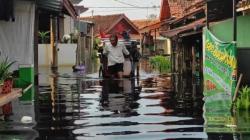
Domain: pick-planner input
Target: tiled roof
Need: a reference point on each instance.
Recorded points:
(146, 25)
(107, 22)
(176, 31)
(142, 23)
(57, 6)
(178, 8)
(165, 10)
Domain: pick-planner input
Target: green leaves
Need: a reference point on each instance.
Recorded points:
(161, 63)
(4, 69)
(43, 36)
(97, 42)
(243, 102)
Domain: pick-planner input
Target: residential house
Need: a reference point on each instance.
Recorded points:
(151, 41)
(69, 22)
(179, 8)
(104, 26)
(108, 24)
(222, 28)
(66, 40)
(19, 33)
(184, 28)
(19, 26)
(161, 44)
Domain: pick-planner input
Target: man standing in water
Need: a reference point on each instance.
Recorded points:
(115, 55)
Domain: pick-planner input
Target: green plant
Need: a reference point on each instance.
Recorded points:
(4, 69)
(44, 36)
(94, 55)
(97, 42)
(243, 102)
(73, 37)
(161, 63)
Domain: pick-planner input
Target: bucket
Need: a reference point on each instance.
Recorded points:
(26, 77)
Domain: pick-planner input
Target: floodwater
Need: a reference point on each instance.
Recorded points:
(136, 109)
(85, 107)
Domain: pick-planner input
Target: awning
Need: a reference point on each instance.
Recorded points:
(57, 6)
(76, 1)
(80, 9)
(184, 29)
(70, 8)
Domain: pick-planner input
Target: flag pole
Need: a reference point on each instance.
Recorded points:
(235, 75)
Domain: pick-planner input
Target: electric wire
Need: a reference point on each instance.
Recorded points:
(126, 3)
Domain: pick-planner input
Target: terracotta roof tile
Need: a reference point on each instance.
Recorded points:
(178, 8)
(105, 23)
(165, 10)
(142, 23)
(102, 23)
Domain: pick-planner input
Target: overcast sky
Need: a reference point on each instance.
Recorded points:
(132, 13)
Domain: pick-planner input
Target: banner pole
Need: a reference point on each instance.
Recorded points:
(235, 76)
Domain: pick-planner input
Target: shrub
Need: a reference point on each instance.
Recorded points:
(161, 63)
(243, 102)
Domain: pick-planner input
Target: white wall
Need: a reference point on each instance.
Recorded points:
(68, 25)
(169, 46)
(66, 54)
(44, 54)
(17, 38)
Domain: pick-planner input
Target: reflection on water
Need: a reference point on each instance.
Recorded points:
(75, 106)
(71, 107)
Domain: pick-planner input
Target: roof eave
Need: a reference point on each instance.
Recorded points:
(57, 7)
(122, 17)
(70, 9)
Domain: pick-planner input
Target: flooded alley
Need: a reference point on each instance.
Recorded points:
(124, 70)
(82, 106)
(71, 107)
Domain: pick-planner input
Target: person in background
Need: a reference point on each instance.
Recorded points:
(136, 55)
(115, 52)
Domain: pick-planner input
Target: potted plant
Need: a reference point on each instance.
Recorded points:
(66, 39)
(44, 36)
(5, 76)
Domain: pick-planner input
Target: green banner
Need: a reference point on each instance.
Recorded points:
(219, 71)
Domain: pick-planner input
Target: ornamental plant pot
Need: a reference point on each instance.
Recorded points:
(7, 86)
(7, 109)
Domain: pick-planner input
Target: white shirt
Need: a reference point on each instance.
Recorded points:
(115, 54)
